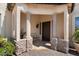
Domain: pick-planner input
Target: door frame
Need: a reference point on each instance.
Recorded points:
(50, 28)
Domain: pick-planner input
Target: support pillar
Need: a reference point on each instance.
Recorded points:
(28, 32)
(66, 25)
(54, 25)
(53, 38)
(19, 43)
(63, 44)
(18, 24)
(66, 30)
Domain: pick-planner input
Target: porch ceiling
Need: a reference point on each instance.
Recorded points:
(10, 6)
(48, 7)
(45, 9)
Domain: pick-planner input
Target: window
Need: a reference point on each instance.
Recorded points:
(76, 23)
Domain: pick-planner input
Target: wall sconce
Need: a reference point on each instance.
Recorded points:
(37, 25)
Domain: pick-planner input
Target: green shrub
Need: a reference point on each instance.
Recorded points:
(2, 51)
(76, 36)
(9, 48)
(6, 47)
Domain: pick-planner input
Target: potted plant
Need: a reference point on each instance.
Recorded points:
(76, 40)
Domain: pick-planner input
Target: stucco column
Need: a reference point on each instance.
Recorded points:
(66, 25)
(28, 32)
(51, 27)
(18, 24)
(54, 38)
(63, 44)
(54, 25)
(28, 25)
(20, 44)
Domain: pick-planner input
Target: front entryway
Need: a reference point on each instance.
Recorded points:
(46, 31)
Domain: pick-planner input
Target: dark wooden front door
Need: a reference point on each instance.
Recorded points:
(46, 31)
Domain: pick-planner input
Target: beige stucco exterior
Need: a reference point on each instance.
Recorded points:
(2, 21)
(60, 25)
(8, 24)
(74, 14)
(36, 19)
(23, 22)
(39, 13)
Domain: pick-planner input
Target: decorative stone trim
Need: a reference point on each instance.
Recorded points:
(63, 45)
(23, 45)
(60, 45)
(54, 43)
(20, 46)
(29, 42)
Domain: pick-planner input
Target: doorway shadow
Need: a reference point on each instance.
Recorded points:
(73, 52)
(39, 43)
(47, 45)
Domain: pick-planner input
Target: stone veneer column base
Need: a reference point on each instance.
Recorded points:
(54, 43)
(20, 46)
(60, 45)
(29, 42)
(63, 45)
(23, 45)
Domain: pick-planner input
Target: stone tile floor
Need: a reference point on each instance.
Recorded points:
(47, 52)
(43, 49)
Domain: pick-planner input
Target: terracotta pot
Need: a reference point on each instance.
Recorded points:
(76, 47)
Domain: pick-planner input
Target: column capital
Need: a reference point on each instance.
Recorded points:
(29, 13)
(28, 16)
(29, 39)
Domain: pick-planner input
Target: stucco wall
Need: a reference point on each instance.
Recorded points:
(23, 22)
(8, 23)
(45, 18)
(60, 25)
(2, 20)
(36, 19)
(5, 21)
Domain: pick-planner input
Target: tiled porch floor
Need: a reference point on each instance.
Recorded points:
(41, 48)
(47, 52)
(41, 45)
